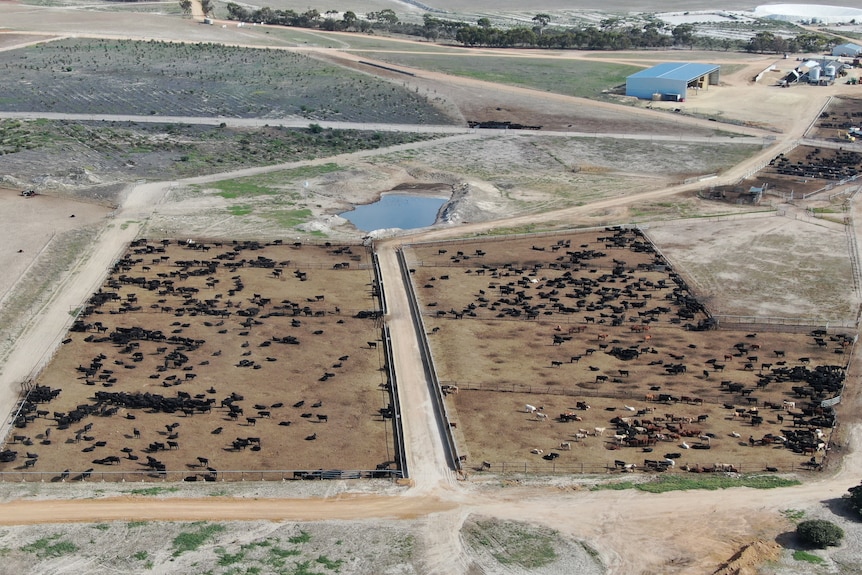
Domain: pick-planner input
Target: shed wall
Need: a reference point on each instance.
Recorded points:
(645, 87)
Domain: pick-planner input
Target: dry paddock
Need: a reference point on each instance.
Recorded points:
(500, 361)
(225, 314)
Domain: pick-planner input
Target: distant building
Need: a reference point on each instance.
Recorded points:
(848, 50)
(671, 80)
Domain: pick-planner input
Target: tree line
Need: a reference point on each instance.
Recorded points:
(611, 33)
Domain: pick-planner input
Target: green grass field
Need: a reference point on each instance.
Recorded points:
(572, 78)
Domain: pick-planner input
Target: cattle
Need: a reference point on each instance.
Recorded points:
(321, 417)
(530, 408)
(372, 345)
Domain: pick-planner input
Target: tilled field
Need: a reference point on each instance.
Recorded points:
(598, 319)
(207, 358)
(174, 79)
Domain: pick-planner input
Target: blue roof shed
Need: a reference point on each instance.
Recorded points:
(671, 79)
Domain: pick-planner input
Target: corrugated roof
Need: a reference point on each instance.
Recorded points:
(849, 45)
(684, 71)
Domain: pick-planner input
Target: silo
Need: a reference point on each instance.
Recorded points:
(829, 70)
(814, 74)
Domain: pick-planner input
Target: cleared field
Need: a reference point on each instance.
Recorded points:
(149, 78)
(797, 266)
(551, 321)
(190, 349)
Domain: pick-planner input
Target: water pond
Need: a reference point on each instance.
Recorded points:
(402, 211)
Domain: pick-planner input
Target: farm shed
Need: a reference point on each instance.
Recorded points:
(671, 80)
(848, 50)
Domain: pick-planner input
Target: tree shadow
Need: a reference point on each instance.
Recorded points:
(789, 540)
(841, 507)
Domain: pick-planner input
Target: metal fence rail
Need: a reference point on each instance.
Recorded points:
(398, 428)
(788, 322)
(203, 475)
(535, 468)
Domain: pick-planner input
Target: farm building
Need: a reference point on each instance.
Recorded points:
(848, 50)
(671, 80)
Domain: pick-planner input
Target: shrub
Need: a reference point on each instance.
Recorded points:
(819, 533)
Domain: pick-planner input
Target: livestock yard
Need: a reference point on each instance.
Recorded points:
(563, 355)
(198, 359)
(592, 347)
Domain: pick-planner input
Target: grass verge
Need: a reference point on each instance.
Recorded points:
(710, 483)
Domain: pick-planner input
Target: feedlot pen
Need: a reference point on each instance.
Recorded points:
(586, 352)
(197, 360)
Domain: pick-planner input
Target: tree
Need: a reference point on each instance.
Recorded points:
(207, 7)
(186, 6)
(485, 23)
(683, 35)
(762, 42)
(541, 21)
(349, 19)
(386, 16)
(819, 533)
(237, 12)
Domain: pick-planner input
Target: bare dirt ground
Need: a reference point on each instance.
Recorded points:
(316, 399)
(500, 361)
(26, 241)
(698, 533)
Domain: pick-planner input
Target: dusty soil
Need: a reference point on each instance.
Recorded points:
(757, 267)
(483, 354)
(238, 349)
(26, 241)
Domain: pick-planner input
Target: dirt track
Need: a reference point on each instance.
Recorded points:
(602, 518)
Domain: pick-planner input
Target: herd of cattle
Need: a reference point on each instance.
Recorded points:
(603, 317)
(203, 358)
(820, 163)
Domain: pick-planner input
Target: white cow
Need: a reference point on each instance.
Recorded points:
(530, 408)
(600, 431)
(541, 416)
(566, 445)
